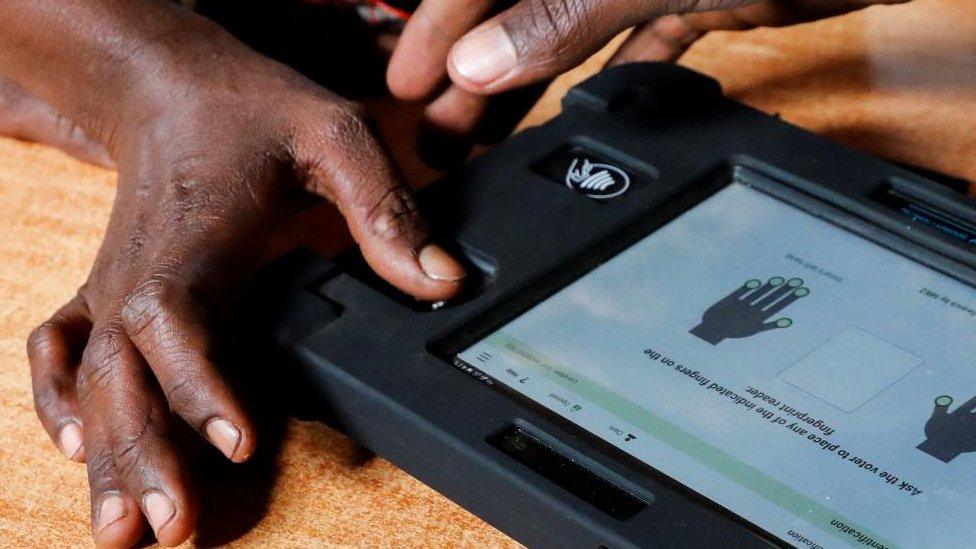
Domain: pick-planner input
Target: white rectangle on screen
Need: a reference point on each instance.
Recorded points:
(850, 369)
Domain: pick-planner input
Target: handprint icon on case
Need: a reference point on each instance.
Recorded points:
(747, 310)
(949, 434)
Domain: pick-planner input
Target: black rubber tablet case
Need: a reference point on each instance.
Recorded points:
(380, 367)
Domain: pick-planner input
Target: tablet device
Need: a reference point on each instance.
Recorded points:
(689, 324)
(775, 364)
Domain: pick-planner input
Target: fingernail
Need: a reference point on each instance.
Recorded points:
(70, 440)
(111, 510)
(485, 56)
(159, 510)
(439, 265)
(224, 435)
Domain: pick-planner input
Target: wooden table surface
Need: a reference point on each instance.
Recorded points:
(895, 81)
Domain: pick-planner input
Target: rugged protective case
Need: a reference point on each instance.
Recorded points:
(379, 367)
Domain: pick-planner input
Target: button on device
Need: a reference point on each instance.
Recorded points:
(589, 173)
(569, 473)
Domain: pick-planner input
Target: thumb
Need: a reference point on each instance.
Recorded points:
(349, 166)
(778, 324)
(942, 404)
(539, 39)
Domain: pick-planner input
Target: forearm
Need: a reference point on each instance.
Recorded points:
(91, 58)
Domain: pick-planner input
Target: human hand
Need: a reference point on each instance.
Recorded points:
(667, 37)
(747, 310)
(536, 40)
(214, 145)
(949, 434)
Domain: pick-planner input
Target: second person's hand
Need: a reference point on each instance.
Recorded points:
(465, 61)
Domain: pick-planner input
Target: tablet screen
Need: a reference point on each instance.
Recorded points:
(818, 385)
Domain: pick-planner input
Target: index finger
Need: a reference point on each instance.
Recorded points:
(419, 62)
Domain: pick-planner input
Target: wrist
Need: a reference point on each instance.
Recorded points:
(103, 52)
(705, 333)
(184, 60)
(180, 82)
(938, 450)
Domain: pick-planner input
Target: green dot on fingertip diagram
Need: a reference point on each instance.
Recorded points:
(784, 323)
(943, 400)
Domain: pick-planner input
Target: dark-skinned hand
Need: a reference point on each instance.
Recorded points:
(214, 145)
(468, 62)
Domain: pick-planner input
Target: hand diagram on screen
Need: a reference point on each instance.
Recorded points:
(747, 311)
(948, 434)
